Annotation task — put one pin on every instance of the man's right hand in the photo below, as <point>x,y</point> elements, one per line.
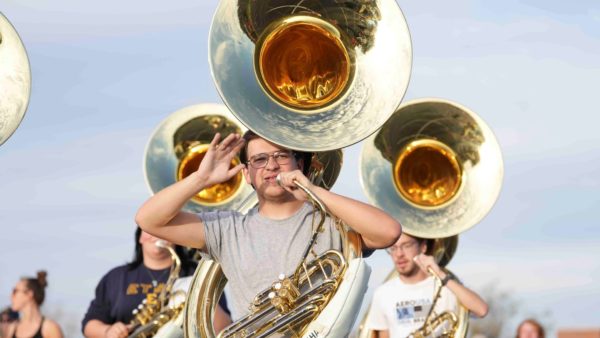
<point>117,330</point>
<point>215,166</point>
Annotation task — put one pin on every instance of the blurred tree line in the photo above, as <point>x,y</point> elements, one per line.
<point>505,314</point>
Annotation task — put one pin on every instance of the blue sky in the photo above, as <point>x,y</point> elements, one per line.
<point>106,73</point>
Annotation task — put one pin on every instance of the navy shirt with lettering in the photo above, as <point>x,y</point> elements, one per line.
<point>123,288</point>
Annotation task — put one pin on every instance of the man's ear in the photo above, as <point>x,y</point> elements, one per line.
<point>246,175</point>
<point>300,163</point>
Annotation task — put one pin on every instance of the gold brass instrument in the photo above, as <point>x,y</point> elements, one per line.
<point>294,71</point>
<point>15,79</point>
<point>446,324</point>
<point>436,167</point>
<point>177,147</point>
<point>150,316</point>
<point>292,305</point>
<point>443,249</point>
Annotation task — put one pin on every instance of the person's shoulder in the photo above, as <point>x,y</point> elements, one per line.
<point>116,272</point>
<point>50,328</point>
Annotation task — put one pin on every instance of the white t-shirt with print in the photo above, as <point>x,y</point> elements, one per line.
<point>402,308</point>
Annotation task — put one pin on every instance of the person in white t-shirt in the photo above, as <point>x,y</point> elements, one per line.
<point>400,306</point>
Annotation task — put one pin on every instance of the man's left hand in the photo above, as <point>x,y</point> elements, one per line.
<point>287,181</point>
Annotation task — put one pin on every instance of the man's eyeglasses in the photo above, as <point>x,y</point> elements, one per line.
<point>403,247</point>
<point>260,160</point>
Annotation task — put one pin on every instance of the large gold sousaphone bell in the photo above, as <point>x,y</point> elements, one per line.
<point>436,167</point>
<point>15,79</point>
<point>295,71</point>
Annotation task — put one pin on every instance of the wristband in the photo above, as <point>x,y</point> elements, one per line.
<point>448,277</point>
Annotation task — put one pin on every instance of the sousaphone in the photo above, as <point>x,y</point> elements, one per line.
<point>437,168</point>
<point>15,79</point>
<point>313,75</point>
<point>175,150</point>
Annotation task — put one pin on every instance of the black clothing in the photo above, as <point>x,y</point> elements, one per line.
<point>122,289</point>
<point>38,334</point>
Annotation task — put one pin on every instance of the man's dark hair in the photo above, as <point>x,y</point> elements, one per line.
<point>299,155</point>
<point>428,243</point>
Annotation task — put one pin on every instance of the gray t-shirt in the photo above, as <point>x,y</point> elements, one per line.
<point>254,250</point>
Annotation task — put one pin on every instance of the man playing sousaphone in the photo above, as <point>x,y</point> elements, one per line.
<point>401,305</point>
<point>254,249</point>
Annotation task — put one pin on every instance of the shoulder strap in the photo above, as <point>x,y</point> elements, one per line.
<point>38,334</point>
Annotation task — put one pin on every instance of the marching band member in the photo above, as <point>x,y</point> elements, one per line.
<point>27,297</point>
<point>123,288</point>
<point>254,249</point>
<point>400,306</point>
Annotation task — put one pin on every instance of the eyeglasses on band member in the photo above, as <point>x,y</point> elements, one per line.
<point>403,247</point>
<point>260,160</point>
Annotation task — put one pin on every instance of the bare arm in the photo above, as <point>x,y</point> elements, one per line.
<point>377,228</point>
<point>381,334</point>
<point>97,329</point>
<point>161,214</point>
<point>467,297</point>
<point>221,319</point>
